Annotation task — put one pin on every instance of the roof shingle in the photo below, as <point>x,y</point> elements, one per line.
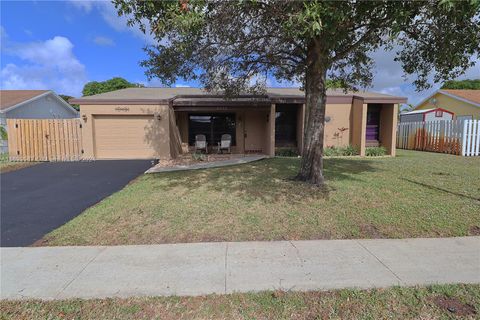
<point>470,95</point>
<point>10,98</point>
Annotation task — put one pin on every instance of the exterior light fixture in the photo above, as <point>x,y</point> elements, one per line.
<point>159,117</point>
<point>84,117</point>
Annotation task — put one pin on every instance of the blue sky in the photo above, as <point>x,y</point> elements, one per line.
<point>61,45</point>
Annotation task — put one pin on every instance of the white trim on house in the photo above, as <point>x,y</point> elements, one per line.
<point>448,95</point>
<point>63,102</point>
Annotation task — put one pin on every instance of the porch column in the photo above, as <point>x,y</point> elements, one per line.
<point>270,134</point>
<point>388,127</point>
<point>300,127</point>
<point>359,124</point>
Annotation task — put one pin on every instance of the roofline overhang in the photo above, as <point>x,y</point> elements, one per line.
<point>205,100</point>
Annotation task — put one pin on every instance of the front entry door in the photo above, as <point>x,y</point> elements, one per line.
<point>254,131</point>
<point>373,125</point>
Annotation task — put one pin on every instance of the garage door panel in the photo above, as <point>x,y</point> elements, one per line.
<point>123,137</point>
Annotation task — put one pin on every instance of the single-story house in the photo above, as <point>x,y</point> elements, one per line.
<point>465,104</point>
<point>139,123</point>
<point>435,114</point>
<point>32,104</point>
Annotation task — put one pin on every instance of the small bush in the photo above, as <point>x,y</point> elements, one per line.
<point>375,151</point>
<point>198,156</point>
<point>340,151</point>
<point>286,152</point>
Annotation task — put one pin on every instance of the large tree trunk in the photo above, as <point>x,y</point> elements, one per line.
<point>311,169</point>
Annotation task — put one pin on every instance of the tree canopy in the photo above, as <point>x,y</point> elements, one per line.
<point>237,45</point>
<point>468,84</point>
<point>67,99</point>
<point>117,83</point>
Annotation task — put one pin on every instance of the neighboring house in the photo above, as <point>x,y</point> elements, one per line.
<point>139,123</point>
<point>32,104</point>
<point>426,115</point>
<point>465,104</point>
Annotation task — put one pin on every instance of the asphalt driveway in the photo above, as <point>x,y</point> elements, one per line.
<point>39,199</point>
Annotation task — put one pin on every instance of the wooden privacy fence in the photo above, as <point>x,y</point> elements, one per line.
<point>44,139</point>
<point>460,137</point>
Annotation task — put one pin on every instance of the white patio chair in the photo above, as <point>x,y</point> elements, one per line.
<point>225,143</point>
<point>200,142</point>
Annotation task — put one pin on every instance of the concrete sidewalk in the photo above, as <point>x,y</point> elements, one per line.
<point>204,268</point>
<point>209,165</point>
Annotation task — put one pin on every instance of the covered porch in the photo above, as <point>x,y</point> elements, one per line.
<point>255,127</point>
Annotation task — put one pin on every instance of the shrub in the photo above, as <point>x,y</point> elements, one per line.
<point>375,151</point>
<point>198,156</point>
<point>340,151</point>
<point>286,152</point>
<point>350,151</point>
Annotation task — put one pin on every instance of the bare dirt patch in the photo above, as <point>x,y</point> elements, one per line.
<point>454,306</point>
<point>474,231</point>
<point>371,231</point>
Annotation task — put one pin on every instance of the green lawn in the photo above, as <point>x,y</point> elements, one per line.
<point>436,302</point>
<point>416,194</point>
<point>7,165</point>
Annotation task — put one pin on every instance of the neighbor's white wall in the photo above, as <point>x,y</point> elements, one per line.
<point>430,116</point>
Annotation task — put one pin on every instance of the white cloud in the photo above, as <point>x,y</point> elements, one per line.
<point>181,85</point>
<point>3,33</point>
<point>84,5</point>
<point>110,15</point>
<point>50,64</point>
<point>103,41</point>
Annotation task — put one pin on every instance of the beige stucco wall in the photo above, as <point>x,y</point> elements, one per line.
<point>358,125</point>
<point>255,129</point>
<point>157,134</point>
<point>340,117</point>
<point>459,108</point>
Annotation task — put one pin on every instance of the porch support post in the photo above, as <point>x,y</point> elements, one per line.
<point>388,127</point>
<point>270,147</point>
<point>359,124</point>
<point>300,127</point>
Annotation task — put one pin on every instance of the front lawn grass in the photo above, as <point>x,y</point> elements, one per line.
<point>6,165</point>
<point>435,302</point>
<point>416,194</point>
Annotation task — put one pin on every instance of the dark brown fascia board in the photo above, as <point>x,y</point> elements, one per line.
<point>207,103</point>
<point>218,108</point>
<point>385,100</point>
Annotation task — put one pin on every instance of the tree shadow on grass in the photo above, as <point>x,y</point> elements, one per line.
<point>269,180</point>
<point>428,186</point>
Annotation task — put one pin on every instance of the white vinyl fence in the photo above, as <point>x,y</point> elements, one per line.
<point>461,137</point>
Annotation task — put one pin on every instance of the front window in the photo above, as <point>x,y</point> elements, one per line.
<point>212,126</point>
<point>439,113</point>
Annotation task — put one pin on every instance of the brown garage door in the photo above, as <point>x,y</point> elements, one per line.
<point>123,137</point>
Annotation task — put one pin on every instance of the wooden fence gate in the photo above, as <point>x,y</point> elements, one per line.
<point>460,137</point>
<point>44,139</point>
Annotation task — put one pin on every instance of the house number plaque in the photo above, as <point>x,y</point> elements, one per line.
<point>122,108</point>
